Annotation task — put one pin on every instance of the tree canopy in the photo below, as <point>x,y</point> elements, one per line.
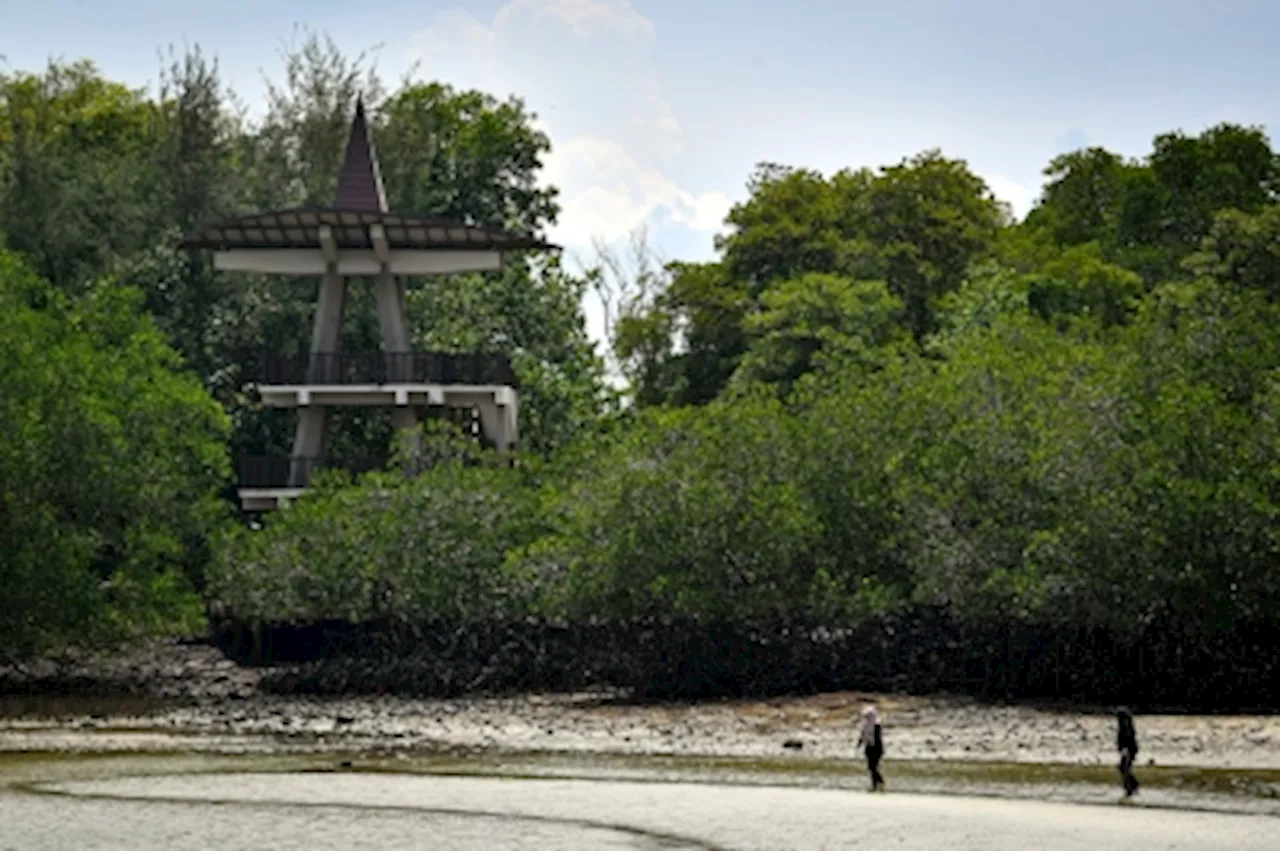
<point>100,180</point>
<point>110,469</point>
<point>884,397</point>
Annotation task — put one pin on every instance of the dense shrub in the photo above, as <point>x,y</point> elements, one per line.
<point>1047,510</point>
<point>110,467</point>
<point>431,547</point>
<point>697,514</point>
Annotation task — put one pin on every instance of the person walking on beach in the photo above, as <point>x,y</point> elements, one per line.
<point>1127,744</point>
<point>871,740</point>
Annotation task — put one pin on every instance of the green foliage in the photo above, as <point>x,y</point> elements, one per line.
<point>1225,167</point>
<point>98,182</point>
<point>432,547</point>
<point>1067,286</point>
<point>1079,282</point>
<point>1148,215</point>
<point>532,310</point>
<point>1108,478</point>
<point>698,514</point>
<point>464,156</point>
<point>883,398</point>
<point>916,226</point>
<point>929,218</point>
<point>1084,197</point>
<point>74,153</point>
<point>1075,475</point>
<point>794,222</point>
<point>643,344</point>
<point>709,307</point>
<point>1242,249</point>
<point>881,395</point>
<point>109,469</point>
<point>97,179</point>
<point>991,292</point>
<point>820,320</point>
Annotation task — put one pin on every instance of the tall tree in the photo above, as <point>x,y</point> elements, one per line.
<point>926,220</point>
<point>75,154</point>
<point>195,178</point>
<point>1149,215</point>
<point>916,226</point>
<point>464,155</point>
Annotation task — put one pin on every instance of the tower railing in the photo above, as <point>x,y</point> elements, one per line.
<point>283,471</point>
<point>345,368</point>
<point>273,472</point>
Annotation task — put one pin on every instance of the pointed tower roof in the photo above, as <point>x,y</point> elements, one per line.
<point>360,182</point>
<point>361,204</point>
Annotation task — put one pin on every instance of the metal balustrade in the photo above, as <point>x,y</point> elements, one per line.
<point>278,471</point>
<point>348,368</point>
<point>275,472</point>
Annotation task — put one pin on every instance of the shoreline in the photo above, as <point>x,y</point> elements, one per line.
<point>189,693</point>
<point>667,801</point>
<point>1218,791</point>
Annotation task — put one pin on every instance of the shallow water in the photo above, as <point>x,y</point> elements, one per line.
<point>54,824</point>
<point>198,802</point>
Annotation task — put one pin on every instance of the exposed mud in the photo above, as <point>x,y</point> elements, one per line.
<point>178,696</point>
<point>188,697</point>
<point>820,727</point>
<point>163,673</point>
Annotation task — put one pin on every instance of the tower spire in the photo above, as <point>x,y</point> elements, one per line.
<point>360,182</point>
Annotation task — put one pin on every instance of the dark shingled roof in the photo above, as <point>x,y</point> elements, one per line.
<point>360,182</point>
<point>361,202</point>
<point>300,228</point>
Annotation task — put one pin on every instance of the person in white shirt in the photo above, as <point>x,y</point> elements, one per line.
<point>870,739</point>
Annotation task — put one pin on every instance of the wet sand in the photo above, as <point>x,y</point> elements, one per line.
<point>322,811</point>
<point>199,756</point>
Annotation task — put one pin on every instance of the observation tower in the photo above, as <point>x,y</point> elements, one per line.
<point>359,238</point>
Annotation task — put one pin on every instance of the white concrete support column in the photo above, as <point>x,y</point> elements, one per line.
<point>326,332</point>
<point>497,423</point>
<point>389,294</point>
<point>511,410</point>
<point>393,319</point>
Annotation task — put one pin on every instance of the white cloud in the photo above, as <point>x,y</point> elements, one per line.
<point>580,62</point>
<point>710,210</point>
<point>582,16</point>
<point>660,113</point>
<point>1018,197</point>
<point>585,67</point>
<point>607,194</point>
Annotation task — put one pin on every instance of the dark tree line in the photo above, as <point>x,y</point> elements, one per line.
<point>886,410</point>
<point>888,423</point>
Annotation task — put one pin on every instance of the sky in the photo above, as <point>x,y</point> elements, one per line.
<point>659,109</point>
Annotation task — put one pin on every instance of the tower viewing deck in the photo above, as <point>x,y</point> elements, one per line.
<point>359,237</point>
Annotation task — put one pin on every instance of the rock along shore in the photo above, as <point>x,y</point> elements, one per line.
<point>188,696</point>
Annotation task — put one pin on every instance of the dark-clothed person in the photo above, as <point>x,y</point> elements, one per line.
<point>1127,744</point>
